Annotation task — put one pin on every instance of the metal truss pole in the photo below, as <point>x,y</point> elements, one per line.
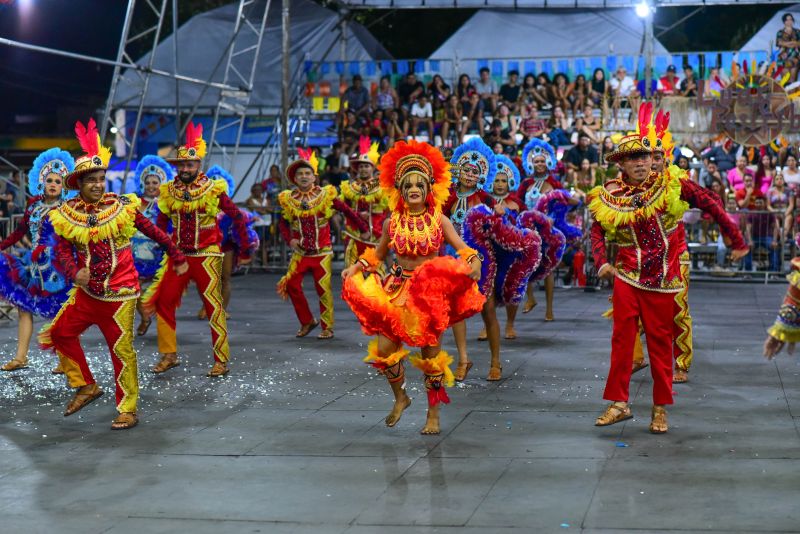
<point>126,26</point>
<point>237,101</point>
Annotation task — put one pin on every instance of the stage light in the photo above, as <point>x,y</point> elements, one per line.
<point>643,9</point>
<point>114,129</point>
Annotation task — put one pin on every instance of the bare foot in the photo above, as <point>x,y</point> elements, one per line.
<point>399,407</point>
<point>548,316</point>
<point>510,332</point>
<point>432,424</point>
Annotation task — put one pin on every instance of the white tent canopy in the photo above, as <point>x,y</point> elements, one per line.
<point>203,39</point>
<point>524,4</point>
<point>764,39</point>
<point>535,33</point>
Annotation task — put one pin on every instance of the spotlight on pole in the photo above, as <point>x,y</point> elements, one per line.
<point>114,130</point>
<point>643,9</point>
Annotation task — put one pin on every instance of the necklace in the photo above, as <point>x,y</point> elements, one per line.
<point>460,209</point>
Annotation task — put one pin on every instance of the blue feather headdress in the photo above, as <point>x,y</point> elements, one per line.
<point>216,172</point>
<point>477,153</point>
<point>152,166</point>
<point>53,160</point>
<point>504,166</point>
<point>537,147</point>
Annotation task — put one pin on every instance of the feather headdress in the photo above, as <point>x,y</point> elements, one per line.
<point>507,167</point>
<point>411,156</point>
<point>195,147</point>
<point>475,152</point>
<point>217,172</point>
<point>307,158</point>
<point>51,161</point>
<point>534,148</point>
<point>367,153</point>
<point>95,157</point>
<point>152,166</point>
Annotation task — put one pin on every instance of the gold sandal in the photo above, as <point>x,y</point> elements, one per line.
<point>658,423</point>
<point>14,365</point>
<point>124,421</point>
<point>614,414</point>
<point>462,370</point>
<point>218,369</point>
<point>679,376</point>
<point>326,334</point>
<point>307,328</point>
<point>80,400</point>
<point>168,361</point>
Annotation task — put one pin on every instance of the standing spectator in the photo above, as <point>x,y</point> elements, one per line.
<point>529,93</point>
<point>531,125</point>
<point>487,90</point>
<point>580,93</point>
<point>736,176</point>
<point>439,92</point>
<point>688,84</point>
<point>725,155</point>
<point>356,98</point>
<point>765,173</point>
<point>422,112</point>
<point>670,82</point>
<point>336,165</point>
<point>623,91</point>
<point>711,172</point>
<point>453,121</point>
<point>272,186</point>
<point>778,194</point>
<point>598,89</point>
<point>788,42</point>
<point>409,91</point>
<point>510,92</point>
<point>717,188</point>
<point>386,97</point>
<point>259,205</point>
<point>582,151</point>
<point>714,84</point>
<point>791,174</point>
<point>561,91</point>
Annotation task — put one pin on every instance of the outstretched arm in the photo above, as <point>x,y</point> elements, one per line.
<point>350,215</point>
<point>18,233</point>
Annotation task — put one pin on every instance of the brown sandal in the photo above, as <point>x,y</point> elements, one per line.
<point>80,400</point>
<point>218,369</point>
<point>167,362</point>
<point>307,328</point>
<point>57,370</point>
<point>144,326</point>
<point>529,305</point>
<point>201,314</point>
<point>658,423</point>
<point>679,376</point>
<point>124,421</point>
<point>638,366</point>
<point>14,365</point>
<point>462,370</point>
<point>614,414</point>
<point>326,334</point>
<point>495,374</point>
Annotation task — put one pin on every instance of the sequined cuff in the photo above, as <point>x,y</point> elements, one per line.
<point>468,254</point>
<point>787,324</point>
<point>369,260</point>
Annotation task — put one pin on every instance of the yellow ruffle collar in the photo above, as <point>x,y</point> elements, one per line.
<point>294,208</point>
<point>115,219</point>
<point>174,198</point>
<point>375,196</point>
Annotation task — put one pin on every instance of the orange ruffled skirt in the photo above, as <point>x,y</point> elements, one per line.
<point>416,307</point>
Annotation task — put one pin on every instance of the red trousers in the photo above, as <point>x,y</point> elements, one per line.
<point>115,320</point>
<point>165,296</point>
<point>320,269</point>
<point>657,313</point>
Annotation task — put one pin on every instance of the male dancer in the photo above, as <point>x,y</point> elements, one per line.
<point>640,211</point>
<point>305,226</point>
<point>94,250</point>
<point>191,202</point>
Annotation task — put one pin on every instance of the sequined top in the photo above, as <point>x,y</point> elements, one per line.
<point>644,221</point>
<point>306,217</point>
<point>97,237</point>
<point>368,199</point>
<point>192,209</point>
<point>416,234</point>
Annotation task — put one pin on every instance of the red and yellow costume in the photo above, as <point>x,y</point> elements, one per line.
<point>97,237</point>
<point>306,219</point>
<point>414,306</point>
<point>192,209</point>
<point>366,198</point>
<point>643,221</point>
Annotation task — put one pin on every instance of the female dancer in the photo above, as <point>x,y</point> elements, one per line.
<point>151,172</point>
<point>424,293</point>
<point>32,282</point>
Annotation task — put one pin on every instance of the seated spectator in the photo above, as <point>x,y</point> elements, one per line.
<point>588,117</point>
<point>579,126</point>
<point>606,147</point>
<point>598,89</point>
<point>747,195</point>
<point>487,90</point>
<point>439,92</point>
<point>788,42</point>
<point>386,97</point>
<point>507,120</point>
<point>377,126</point>
<point>396,128</point>
<point>497,135</point>
<point>530,94</point>
<point>582,151</point>
<point>736,176</point>
<point>473,111</point>
<point>623,91</point>
<point>422,112</point>
<point>778,194</point>
<point>337,165</point>
<point>409,90</point>
<point>558,127</point>
<point>356,98</point>
<point>790,173</point>
<point>584,174</point>
<point>688,84</point>
<point>349,129</point>
<point>725,154</point>
<point>464,89</point>
<point>765,173</point>
<point>655,86</point>
<point>543,88</point>
<point>714,84</point>
<point>531,125</point>
<point>452,123</point>
<point>711,172</point>
<point>670,82</point>
<point>580,94</point>
<point>510,92</point>
<point>561,91</point>
<point>498,148</point>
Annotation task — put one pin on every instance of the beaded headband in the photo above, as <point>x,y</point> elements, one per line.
<point>412,163</point>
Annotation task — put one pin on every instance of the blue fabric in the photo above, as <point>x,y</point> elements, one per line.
<point>497,68</point>
<point>627,62</point>
<point>530,67</point>
<point>711,60</point>
<point>611,63</point>
<point>481,64</point>
<point>694,61</point>
<point>434,65</point>
<point>513,65</point>
<point>580,67</point>
<point>354,68</point>
<point>324,67</point>
<point>677,60</point>
<point>339,66</point>
<point>371,68</point>
<point>386,67</point>
<point>402,67</point>
<point>547,67</point>
<point>661,65</point>
<point>563,66</point>
<point>596,63</point>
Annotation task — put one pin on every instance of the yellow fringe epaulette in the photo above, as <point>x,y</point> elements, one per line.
<point>322,205</point>
<point>113,221</point>
<point>171,199</point>
<point>377,198</point>
<point>615,211</point>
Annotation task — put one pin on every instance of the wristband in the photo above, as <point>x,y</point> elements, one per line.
<point>369,260</point>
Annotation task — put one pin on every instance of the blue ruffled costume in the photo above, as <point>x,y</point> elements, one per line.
<point>147,255</point>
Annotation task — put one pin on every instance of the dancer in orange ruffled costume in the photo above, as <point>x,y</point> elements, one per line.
<point>424,293</point>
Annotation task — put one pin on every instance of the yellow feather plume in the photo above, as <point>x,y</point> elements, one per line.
<point>103,152</point>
